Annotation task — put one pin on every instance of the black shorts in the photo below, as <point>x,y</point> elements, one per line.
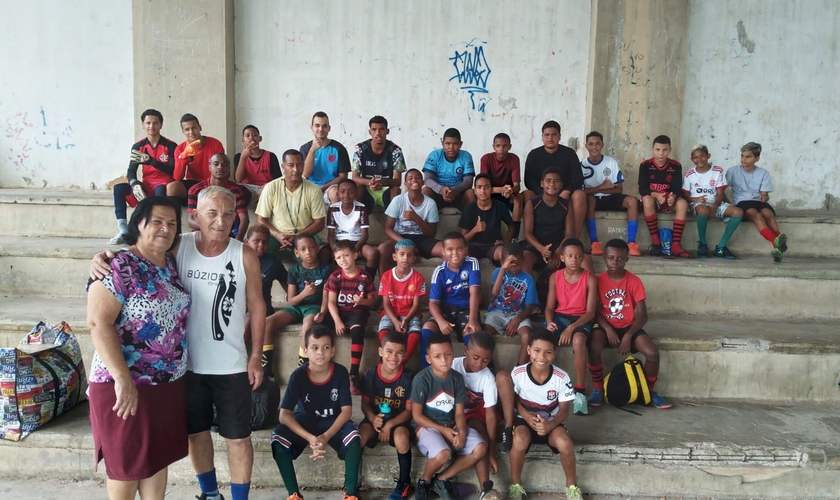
<point>536,438</point>
<point>610,203</point>
<point>757,205</point>
<point>284,436</point>
<point>564,320</point>
<point>484,251</point>
<point>353,318</point>
<point>459,317</point>
<point>231,395</point>
<point>424,244</point>
<point>540,264</point>
<point>505,201</point>
<point>372,442</point>
<point>621,332</point>
<point>458,202</point>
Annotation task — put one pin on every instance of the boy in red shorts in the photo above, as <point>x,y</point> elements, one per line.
<point>660,186</point>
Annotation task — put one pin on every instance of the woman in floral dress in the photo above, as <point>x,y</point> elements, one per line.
<point>138,317</point>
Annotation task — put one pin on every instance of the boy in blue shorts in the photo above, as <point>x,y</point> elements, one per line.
<point>437,400</point>
<point>449,172</point>
<point>455,294</point>
<point>315,412</point>
<point>751,188</point>
<point>570,310</point>
<point>306,298</point>
<point>514,299</point>
<point>386,388</point>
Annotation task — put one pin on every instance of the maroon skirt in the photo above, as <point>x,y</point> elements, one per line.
<point>142,445</point>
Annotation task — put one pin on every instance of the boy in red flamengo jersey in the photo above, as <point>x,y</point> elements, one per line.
<point>401,289</point>
<point>660,186</point>
<point>621,315</point>
<point>570,309</point>
<point>192,157</point>
<point>351,295</point>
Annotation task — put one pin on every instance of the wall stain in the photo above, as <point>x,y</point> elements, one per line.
<point>742,37</point>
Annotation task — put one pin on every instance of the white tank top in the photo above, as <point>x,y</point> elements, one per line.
<point>216,327</point>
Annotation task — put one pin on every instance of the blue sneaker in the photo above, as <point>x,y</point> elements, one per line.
<point>724,253</point>
<point>596,399</point>
<point>702,250</point>
<point>659,402</point>
<point>402,490</point>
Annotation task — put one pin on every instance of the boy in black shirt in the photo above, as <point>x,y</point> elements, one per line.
<point>481,222</point>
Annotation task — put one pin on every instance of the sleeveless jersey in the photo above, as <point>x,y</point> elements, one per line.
<point>258,171</point>
<point>216,328</point>
<point>550,222</point>
<point>571,297</point>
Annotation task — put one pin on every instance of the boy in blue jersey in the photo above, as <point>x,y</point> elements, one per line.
<point>386,388</point>
<point>449,172</point>
<point>315,412</point>
<point>437,400</point>
<point>455,294</point>
<point>325,161</point>
<point>514,299</point>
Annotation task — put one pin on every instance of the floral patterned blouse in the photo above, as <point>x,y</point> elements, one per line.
<point>152,324</point>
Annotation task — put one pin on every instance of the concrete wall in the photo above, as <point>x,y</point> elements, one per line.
<point>66,94</point>
<point>767,72</point>
<point>525,62</point>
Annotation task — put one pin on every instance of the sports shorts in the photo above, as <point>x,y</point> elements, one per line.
<point>505,201</point>
<point>721,209</point>
<point>456,315</point>
<point>536,438</point>
<point>424,244</point>
<point>414,324</point>
<point>230,394</point>
<point>564,320</point>
<point>484,251</point>
<point>431,442</point>
<point>755,204</point>
<point>354,318</point>
<point>381,197</point>
<point>374,440</point>
<point>610,203</point>
<point>317,426</point>
<point>499,320</point>
<point>457,202</point>
<point>621,332</point>
<point>300,312</point>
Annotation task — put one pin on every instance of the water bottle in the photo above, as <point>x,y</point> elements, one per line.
<point>666,235</point>
<point>385,410</point>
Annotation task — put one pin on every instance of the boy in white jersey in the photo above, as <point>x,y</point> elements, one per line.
<point>347,219</point>
<point>603,184</point>
<point>703,189</point>
<point>543,393</point>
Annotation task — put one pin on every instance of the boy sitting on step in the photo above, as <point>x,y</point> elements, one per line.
<point>315,412</point>
<point>621,315</point>
<point>386,388</point>
<point>660,186</point>
<point>401,289</point>
<point>570,309</point>
<point>347,219</point>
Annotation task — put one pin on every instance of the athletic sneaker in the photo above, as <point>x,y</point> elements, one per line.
<point>350,497</point>
<point>573,493</point>
<point>596,248</point>
<point>596,399</point>
<point>516,492</point>
<point>781,242</point>
<point>777,255</point>
<point>119,239</point>
<point>486,488</point>
<point>655,250</point>
<point>659,402</point>
<point>422,491</point>
<point>580,406</point>
<point>402,490</point>
<point>443,487</point>
<point>634,250</point>
<point>203,496</point>
<point>702,250</point>
<point>354,385</point>
<point>295,496</point>
<point>507,439</point>
<point>724,253</point>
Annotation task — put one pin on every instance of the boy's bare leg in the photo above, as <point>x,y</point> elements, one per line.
<point>756,218</point>
<point>645,345</point>
<point>521,441</point>
<point>560,439</point>
<point>770,219</point>
<point>463,462</point>
<point>580,355</point>
<point>434,464</point>
<point>504,385</point>
<point>482,467</point>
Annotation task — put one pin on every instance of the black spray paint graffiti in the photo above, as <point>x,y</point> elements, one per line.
<point>472,72</point>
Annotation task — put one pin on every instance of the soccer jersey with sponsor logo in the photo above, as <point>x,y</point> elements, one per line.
<point>748,186</point>
<point>401,291</point>
<point>618,299</point>
<point>197,166</point>
<point>545,397</point>
<point>367,164</point>
<point>396,392</point>
<point>594,174</point>
<point>238,191</point>
<point>348,286</point>
<point>427,211</point>
<point>697,184</point>
<point>438,395</point>
<point>347,226</point>
<point>300,276</point>
<point>160,167</point>
<point>330,161</point>
<point>449,173</point>
<point>453,287</point>
<point>518,291</point>
<point>481,386</point>
<point>259,171</point>
<point>322,400</point>
<point>664,179</point>
<point>502,173</point>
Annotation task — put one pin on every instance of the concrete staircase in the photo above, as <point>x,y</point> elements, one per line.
<point>748,348</point>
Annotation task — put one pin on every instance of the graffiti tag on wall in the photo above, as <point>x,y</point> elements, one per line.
<point>472,72</point>
<point>27,133</point>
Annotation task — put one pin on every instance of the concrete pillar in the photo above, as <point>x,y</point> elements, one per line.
<point>183,63</point>
<point>638,57</point>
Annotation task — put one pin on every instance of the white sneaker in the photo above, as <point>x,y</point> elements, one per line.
<point>119,239</point>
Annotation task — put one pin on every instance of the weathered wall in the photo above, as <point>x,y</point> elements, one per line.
<point>522,62</point>
<point>66,107</point>
<point>767,72</point>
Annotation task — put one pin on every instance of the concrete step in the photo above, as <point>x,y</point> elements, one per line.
<point>753,286</point>
<point>90,214</point>
<point>701,357</point>
<point>700,448</point>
